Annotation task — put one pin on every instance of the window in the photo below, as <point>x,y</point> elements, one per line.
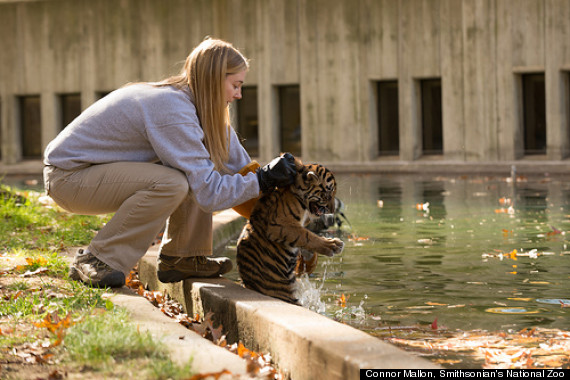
<point>248,120</point>
<point>432,135</point>
<point>30,126</point>
<point>534,114</point>
<point>290,119</point>
<point>388,118</point>
<point>70,106</point>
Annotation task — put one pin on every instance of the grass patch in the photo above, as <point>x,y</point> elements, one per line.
<point>36,302</point>
<point>27,224</point>
<point>54,264</point>
<point>105,340</point>
<point>48,319</point>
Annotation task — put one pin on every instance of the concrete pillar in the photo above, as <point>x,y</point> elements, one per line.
<point>509,122</point>
<point>11,149</point>
<point>557,78</point>
<point>452,80</point>
<point>480,80</point>
<point>378,60</point>
<point>276,63</point>
<point>419,58</point>
<point>51,117</point>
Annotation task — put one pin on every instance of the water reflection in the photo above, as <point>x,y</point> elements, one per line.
<point>409,264</point>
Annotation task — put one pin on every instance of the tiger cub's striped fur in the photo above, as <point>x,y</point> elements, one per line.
<point>271,241</point>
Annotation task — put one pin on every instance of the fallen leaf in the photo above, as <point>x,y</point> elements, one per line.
<point>341,301</point>
<point>35,272</point>
<point>353,237</point>
<point>215,375</point>
<point>422,206</point>
<point>434,324</point>
<point>505,201</point>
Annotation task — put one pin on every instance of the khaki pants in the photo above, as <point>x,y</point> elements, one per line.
<point>144,197</point>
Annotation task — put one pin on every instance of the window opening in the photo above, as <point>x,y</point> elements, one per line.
<point>388,118</point>
<point>290,119</point>
<point>432,133</point>
<point>534,114</point>
<point>248,120</point>
<point>70,108</point>
<point>30,126</point>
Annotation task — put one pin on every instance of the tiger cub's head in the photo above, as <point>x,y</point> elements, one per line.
<point>316,186</point>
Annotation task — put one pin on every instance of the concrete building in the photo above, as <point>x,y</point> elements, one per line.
<point>368,83</point>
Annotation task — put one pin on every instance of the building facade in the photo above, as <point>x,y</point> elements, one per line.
<point>339,81</point>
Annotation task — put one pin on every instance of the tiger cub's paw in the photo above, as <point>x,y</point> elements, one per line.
<point>332,247</point>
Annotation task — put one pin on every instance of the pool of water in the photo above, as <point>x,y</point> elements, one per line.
<point>472,252</point>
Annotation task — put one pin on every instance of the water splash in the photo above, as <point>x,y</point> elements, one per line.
<point>351,314</point>
<point>309,294</point>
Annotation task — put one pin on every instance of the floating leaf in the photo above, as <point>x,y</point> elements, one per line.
<point>436,304</point>
<point>434,324</point>
<point>341,301</point>
<point>422,206</point>
<point>554,301</point>
<point>504,201</point>
<point>555,231</point>
<point>511,310</point>
<point>353,237</point>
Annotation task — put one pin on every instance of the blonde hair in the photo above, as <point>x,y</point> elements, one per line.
<point>204,73</point>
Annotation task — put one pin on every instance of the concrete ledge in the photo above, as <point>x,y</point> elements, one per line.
<point>303,344</point>
<point>183,344</point>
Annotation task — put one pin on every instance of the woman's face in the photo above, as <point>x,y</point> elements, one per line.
<point>233,86</point>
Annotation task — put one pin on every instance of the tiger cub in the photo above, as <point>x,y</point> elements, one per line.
<point>270,244</point>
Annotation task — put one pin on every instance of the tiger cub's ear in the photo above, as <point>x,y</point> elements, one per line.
<point>310,177</point>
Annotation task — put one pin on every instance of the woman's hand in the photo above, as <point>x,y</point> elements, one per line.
<point>280,172</point>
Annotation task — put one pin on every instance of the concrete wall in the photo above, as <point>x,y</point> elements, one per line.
<point>334,49</point>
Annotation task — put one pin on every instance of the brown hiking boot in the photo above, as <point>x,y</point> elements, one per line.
<point>173,269</point>
<point>92,271</point>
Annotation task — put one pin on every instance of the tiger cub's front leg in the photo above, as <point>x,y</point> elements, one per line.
<point>288,229</point>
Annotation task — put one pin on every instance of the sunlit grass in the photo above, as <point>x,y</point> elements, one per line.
<point>54,264</point>
<point>33,303</point>
<point>36,289</point>
<point>102,341</point>
<point>27,224</point>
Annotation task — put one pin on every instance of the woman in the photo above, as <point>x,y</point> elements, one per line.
<point>155,153</point>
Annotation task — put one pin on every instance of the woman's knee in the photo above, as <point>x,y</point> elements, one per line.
<point>176,184</point>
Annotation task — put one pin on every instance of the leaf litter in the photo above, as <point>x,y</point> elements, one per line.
<point>527,348</point>
<point>258,365</point>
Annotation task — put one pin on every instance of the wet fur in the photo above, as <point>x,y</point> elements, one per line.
<point>270,244</point>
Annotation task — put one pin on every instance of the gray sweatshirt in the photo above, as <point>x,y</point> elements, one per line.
<point>145,123</point>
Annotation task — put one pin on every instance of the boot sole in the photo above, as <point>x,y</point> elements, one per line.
<point>175,276</point>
